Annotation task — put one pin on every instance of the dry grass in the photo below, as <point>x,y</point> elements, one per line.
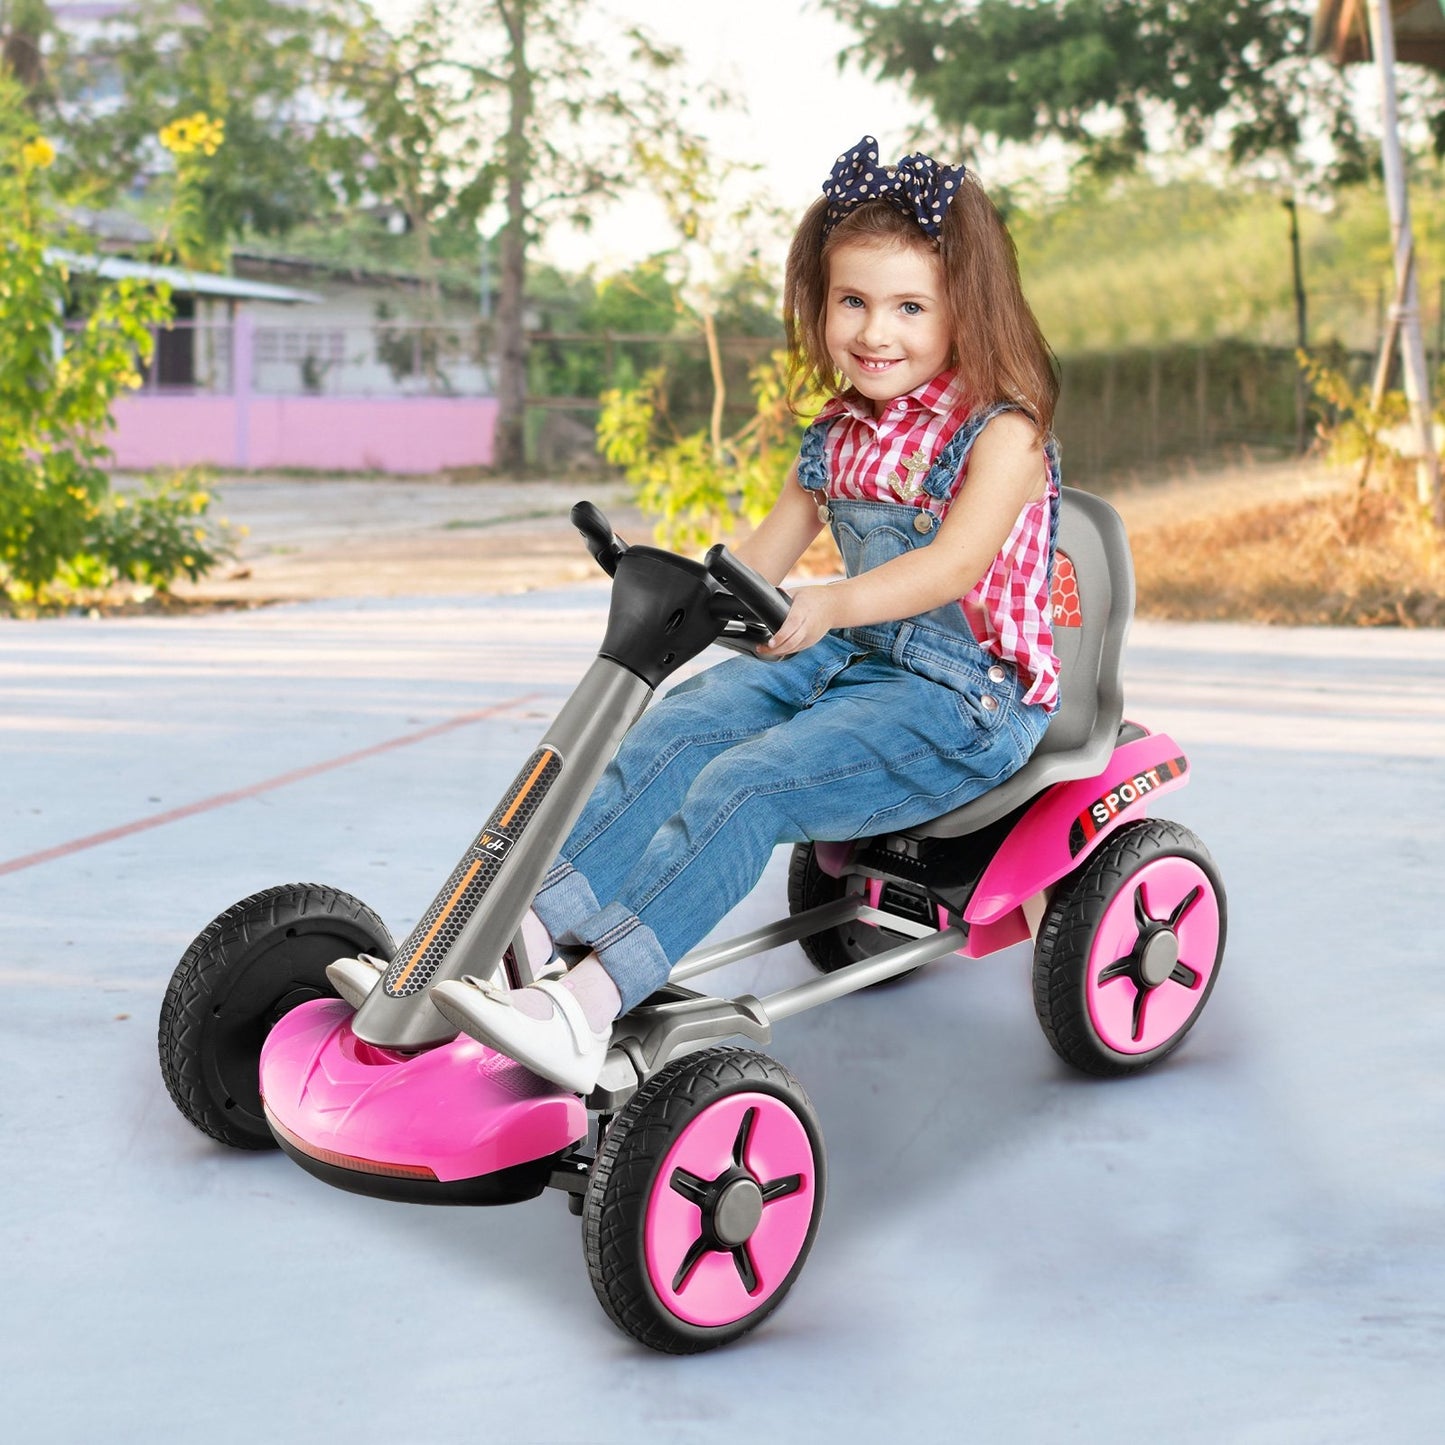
<point>1290,543</point>
<point>1346,559</point>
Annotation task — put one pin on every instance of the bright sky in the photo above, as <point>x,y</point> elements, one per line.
<point>779,56</point>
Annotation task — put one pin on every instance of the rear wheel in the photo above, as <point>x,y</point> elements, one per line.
<point>1129,949</point>
<point>834,948</point>
<point>703,1200</point>
<point>246,968</point>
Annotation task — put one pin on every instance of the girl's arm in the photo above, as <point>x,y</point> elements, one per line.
<point>783,535</point>
<point>1006,472</point>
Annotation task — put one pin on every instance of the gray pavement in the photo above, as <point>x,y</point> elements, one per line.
<point>1245,1244</point>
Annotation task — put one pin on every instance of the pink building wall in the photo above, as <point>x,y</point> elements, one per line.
<point>249,430</point>
<point>322,433</point>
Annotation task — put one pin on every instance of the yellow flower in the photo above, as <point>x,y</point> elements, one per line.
<point>192,133</point>
<point>38,153</point>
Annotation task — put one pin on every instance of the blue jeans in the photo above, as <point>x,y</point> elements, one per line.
<point>834,743</point>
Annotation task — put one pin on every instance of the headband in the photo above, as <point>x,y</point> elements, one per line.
<point>918,186</point>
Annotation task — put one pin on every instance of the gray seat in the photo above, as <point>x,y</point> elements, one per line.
<point>1089,640</point>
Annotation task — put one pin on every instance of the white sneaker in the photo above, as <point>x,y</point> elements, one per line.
<point>562,1047</point>
<point>354,978</point>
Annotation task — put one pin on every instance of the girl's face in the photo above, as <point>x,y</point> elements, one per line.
<point>885,323</point>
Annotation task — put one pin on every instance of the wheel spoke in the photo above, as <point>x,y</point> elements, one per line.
<point>1141,913</point>
<point>1140,999</point>
<point>1184,974</point>
<point>695,1252</point>
<point>745,1134</point>
<point>1185,904</point>
<point>692,1189</point>
<point>1120,968</point>
<point>744,1262</point>
<point>781,1188</point>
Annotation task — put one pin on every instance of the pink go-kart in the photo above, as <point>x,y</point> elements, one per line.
<point>697,1166</point>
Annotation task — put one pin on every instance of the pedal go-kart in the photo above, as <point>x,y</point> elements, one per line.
<point>698,1166</point>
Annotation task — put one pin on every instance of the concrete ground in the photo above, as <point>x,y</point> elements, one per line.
<point>1244,1244</point>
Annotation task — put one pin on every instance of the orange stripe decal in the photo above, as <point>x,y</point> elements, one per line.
<point>435,928</point>
<point>526,788</point>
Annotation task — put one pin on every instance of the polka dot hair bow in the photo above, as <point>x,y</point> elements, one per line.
<point>918,186</point>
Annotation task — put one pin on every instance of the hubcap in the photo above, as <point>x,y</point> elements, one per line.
<point>737,1213</point>
<point>1165,958</point>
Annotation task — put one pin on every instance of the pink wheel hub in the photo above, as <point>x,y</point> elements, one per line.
<point>1152,957</point>
<point>731,1210</point>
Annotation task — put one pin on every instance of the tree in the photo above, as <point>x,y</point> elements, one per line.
<point>258,66</point>
<point>562,130</point>
<point>1106,75</point>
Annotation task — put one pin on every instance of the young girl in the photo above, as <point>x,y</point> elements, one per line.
<point>920,681</point>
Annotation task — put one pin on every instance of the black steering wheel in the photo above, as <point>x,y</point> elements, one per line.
<point>745,604</point>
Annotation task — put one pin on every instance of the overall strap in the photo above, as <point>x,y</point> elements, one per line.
<point>942,478</point>
<point>812,460</point>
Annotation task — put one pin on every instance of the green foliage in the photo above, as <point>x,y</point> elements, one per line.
<point>60,531</point>
<point>158,534</point>
<point>696,491</point>
<point>1132,263</point>
<point>258,65</point>
<point>1355,430</point>
<point>1097,73</point>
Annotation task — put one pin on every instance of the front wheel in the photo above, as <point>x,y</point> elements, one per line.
<point>704,1200</point>
<point>245,969</point>
<point>1129,949</point>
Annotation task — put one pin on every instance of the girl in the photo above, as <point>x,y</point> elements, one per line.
<point>920,681</point>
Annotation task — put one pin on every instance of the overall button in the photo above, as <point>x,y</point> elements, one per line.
<point>989,702</point>
<point>923,523</point>
<point>997,674</point>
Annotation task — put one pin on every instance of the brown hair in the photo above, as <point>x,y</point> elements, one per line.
<point>1000,352</point>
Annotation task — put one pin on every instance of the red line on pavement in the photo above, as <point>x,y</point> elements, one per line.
<point>221,800</point>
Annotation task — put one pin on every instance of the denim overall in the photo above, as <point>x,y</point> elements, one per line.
<point>871,730</point>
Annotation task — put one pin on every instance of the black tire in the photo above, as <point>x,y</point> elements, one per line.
<point>246,968</point>
<point>1139,953</point>
<point>627,1199</point>
<point>834,948</point>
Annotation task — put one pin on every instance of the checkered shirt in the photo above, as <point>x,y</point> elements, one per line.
<point>1008,609</point>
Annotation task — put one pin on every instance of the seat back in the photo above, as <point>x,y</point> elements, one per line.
<point>1092,605</point>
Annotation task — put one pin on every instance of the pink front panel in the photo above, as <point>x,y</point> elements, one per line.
<point>461,1110</point>
<point>1065,825</point>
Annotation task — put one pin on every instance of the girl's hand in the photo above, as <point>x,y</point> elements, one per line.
<point>813,613</point>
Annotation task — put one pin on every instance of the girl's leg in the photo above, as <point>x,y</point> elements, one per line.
<point>883,750</point>
<point>658,762</point>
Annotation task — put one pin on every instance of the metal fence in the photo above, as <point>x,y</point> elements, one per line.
<point>1119,411</point>
<point>394,358</point>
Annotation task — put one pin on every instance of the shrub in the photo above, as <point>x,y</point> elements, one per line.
<point>61,531</point>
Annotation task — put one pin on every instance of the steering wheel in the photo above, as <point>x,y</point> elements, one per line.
<point>747,607</point>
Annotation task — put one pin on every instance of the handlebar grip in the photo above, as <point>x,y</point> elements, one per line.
<point>769,604</point>
<point>604,545</point>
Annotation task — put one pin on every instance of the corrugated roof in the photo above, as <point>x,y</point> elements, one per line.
<point>197,283</point>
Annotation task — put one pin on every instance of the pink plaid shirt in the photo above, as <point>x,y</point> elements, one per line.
<point>1009,608</point>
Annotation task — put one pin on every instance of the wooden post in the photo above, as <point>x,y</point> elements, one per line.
<point>1302,333</point>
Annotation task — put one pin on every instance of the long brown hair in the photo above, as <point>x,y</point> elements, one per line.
<point>1000,352</point>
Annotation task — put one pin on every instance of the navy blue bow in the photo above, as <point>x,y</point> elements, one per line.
<point>918,186</point>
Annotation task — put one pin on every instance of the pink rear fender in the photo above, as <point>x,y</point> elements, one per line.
<point>459,1110</point>
<point>1069,821</point>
